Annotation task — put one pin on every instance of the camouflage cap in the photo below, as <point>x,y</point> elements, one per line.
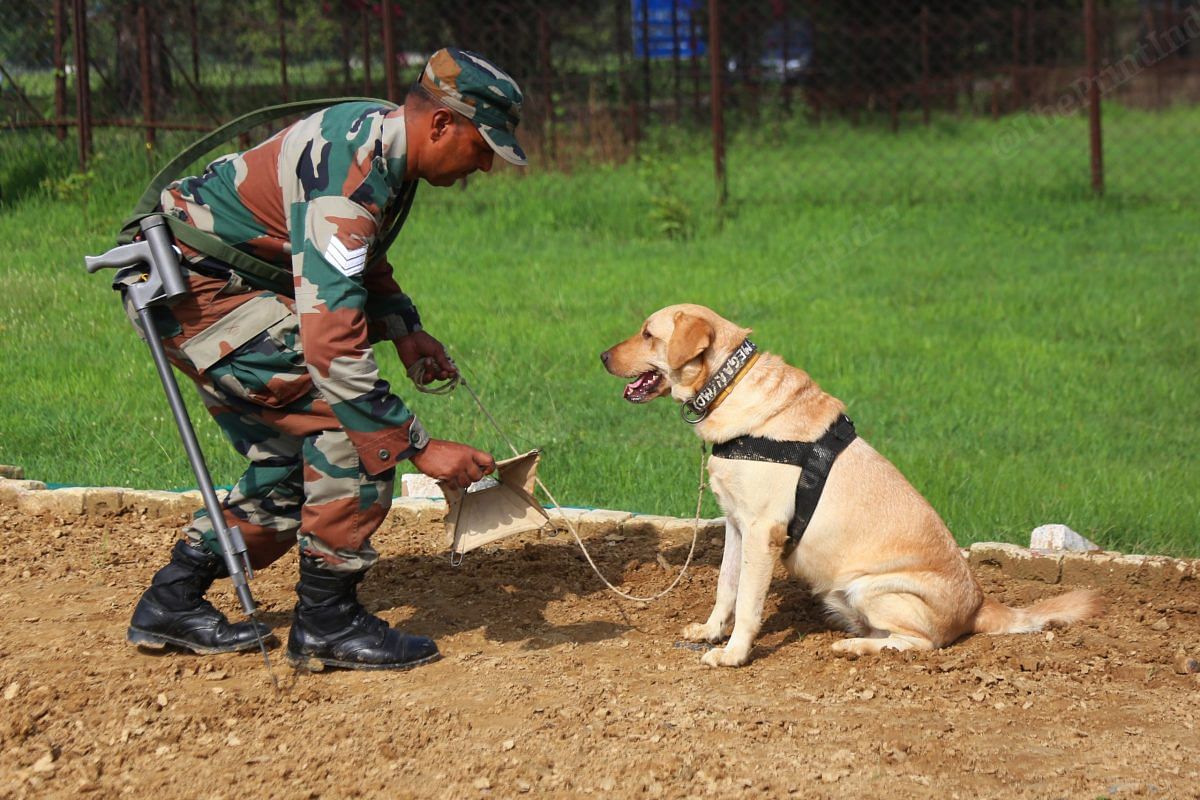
<point>483,93</point>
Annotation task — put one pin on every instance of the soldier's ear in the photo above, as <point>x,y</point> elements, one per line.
<point>440,122</point>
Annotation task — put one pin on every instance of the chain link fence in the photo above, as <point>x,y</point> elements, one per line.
<point>937,98</point>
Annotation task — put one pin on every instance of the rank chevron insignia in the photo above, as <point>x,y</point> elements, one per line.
<point>350,262</point>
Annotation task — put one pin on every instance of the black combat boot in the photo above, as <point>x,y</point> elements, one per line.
<point>173,610</point>
<point>331,628</point>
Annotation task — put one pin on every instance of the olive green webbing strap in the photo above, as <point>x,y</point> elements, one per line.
<point>252,268</point>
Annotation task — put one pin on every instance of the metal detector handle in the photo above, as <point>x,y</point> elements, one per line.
<point>164,255</point>
<point>156,252</point>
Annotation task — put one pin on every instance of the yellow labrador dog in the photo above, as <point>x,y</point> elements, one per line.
<point>874,551</point>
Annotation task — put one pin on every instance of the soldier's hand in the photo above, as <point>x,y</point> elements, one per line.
<point>415,346</point>
<point>457,465</point>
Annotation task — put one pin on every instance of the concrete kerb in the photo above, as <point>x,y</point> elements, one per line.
<point>1105,568</point>
<point>1098,569</point>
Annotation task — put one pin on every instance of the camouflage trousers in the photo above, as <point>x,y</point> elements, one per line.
<point>305,482</point>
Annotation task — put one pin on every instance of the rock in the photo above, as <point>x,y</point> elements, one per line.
<point>11,690</point>
<point>44,764</point>
<point>12,472</point>
<point>595,522</point>
<point>1059,537</point>
<point>1028,663</point>
<point>10,490</point>
<point>834,775</point>
<point>157,504</point>
<point>1185,665</point>
<point>410,512</point>
<point>681,530</point>
<point>1019,562</point>
<point>645,526</point>
<point>59,502</point>
<point>417,485</point>
<point>103,500</point>
<point>508,744</point>
<point>482,783</point>
<point>1161,625</point>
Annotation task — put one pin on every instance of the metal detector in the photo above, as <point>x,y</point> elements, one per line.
<point>150,276</point>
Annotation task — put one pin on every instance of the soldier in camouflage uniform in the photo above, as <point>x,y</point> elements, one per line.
<point>292,379</point>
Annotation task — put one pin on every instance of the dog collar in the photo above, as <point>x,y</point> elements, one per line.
<point>717,388</point>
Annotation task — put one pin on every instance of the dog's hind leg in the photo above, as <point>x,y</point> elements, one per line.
<point>719,621</point>
<point>896,614</point>
<point>871,646</point>
<point>753,581</point>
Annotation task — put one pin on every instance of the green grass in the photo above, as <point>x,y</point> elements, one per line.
<point>1024,353</point>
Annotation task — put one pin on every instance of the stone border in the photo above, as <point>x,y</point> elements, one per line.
<point>1103,568</point>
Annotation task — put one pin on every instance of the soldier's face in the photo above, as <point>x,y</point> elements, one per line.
<point>455,150</point>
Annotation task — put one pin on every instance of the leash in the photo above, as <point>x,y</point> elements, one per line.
<point>417,373</point>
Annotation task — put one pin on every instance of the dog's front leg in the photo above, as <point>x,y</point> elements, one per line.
<point>717,626</point>
<point>753,581</point>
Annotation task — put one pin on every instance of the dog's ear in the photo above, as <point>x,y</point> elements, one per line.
<point>691,337</point>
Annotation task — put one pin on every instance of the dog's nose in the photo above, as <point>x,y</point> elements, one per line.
<point>605,356</point>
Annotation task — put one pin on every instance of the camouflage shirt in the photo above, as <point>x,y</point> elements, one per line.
<point>316,198</point>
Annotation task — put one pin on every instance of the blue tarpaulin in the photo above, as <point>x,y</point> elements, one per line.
<point>667,31</point>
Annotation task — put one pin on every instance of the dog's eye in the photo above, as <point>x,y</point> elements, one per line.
<point>645,334</point>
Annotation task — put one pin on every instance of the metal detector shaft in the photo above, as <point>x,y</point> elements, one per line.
<point>229,548</point>
<point>161,282</point>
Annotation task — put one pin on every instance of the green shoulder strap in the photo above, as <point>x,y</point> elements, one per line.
<point>253,269</point>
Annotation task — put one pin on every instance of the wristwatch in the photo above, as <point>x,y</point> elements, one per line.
<point>417,435</point>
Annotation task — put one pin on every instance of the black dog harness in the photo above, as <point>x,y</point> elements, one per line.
<point>815,460</point>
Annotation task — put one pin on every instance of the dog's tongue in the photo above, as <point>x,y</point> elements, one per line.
<point>639,386</point>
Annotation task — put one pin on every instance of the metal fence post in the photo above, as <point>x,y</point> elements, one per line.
<point>366,44</point>
<point>785,91</point>
<point>645,6</point>
<point>546,70</point>
<point>389,51</point>
<point>1018,79</point>
<point>145,62</point>
<point>83,93</point>
<point>925,63</point>
<point>1093,80</point>
<point>60,68</point>
<point>716,68</point>
<point>283,52</point>
<point>193,34</point>
<point>625,50</point>
<point>675,59</point>
<point>694,45</point>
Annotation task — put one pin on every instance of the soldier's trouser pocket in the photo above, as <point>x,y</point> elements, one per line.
<point>253,353</point>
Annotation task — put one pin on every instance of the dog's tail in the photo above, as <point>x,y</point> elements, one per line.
<point>994,617</point>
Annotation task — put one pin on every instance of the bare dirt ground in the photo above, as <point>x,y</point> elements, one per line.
<point>551,686</point>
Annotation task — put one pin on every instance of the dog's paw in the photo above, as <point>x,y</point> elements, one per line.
<point>701,632</point>
<point>843,650</point>
<point>722,657</point>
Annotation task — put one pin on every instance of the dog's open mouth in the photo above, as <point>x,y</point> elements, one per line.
<point>644,387</point>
